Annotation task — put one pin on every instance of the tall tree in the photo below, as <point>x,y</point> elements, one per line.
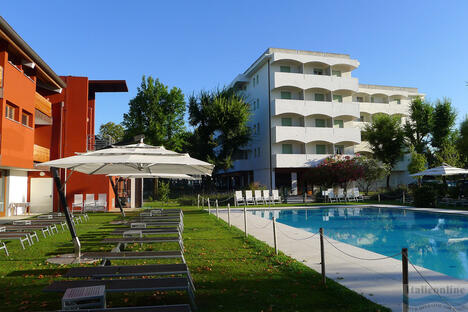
<point>158,113</point>
<point>462,143</point>
<point>386,139</point>
<point>220,119</point>
<point>373,171</point>
<point>418,127</point>
<point>443,122</point>
<point>112,130</point>
<point>448,153</point>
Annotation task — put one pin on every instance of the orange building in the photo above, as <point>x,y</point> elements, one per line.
<point>44,117</point>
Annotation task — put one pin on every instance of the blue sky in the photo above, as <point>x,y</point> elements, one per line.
<point>198,45</point>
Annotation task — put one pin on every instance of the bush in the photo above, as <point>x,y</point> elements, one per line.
<point>425,196</point>
<point>164,191</point>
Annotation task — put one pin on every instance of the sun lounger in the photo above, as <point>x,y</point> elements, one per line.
<point>107,256</point>
<point>21,236</point>
<point>162,308</point>
<point>77,204</point>
<point>275,198</point>
<point>29,228</point>
<point>130,270</point>
<point>259,200</point>
<point>249,198</point>
<point>157,224</point>
<point>129,285</point>
<point>155,231</point>
<point>4,247</point>
<point>143,240</point>
<point>238,198</point>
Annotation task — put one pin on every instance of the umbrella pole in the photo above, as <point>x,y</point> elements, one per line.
<point>63,201</point>
<point>117,199</point>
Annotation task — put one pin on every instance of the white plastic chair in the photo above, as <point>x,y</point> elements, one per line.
<point>248,198</point>
<point>275,198</point>
<point>77,202</point>
<point>332,197</point>
<point>101,203</point>
<point>341,196</point>
<point>258,197</point>
<point>238,198</point>
<point>89,203</point>
<point>357,195</point>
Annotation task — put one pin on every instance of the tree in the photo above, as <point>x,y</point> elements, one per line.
<point>386,139</point>
<point>443,121</point>
<point>158,113</point>
<point>373,171</point>
<point>418,162</point>
<point>448,152</point>
<point>335,170</point>
<point>419,126</point>
<point>462,143</point>
<point>221,130</point>
<point>112,130</point>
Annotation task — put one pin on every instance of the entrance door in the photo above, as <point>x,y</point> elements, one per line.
<point>41,195</point>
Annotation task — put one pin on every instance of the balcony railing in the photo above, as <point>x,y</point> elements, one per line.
<point>308,81</point>
<point>43,104</point>
<point>96,142</point>
<point>307,108</point>
<point>311,134</point>
<point>299,160</point>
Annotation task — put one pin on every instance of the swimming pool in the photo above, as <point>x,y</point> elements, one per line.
<point>435,241</point>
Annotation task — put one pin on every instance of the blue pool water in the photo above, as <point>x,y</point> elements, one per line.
<point>435,241</point>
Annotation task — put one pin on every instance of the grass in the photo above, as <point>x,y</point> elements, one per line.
<point>231,273</point>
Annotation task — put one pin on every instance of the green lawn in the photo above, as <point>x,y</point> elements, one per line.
<point>231,273</point>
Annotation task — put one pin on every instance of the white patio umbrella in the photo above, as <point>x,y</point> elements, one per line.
<point>444,170</point>
<point>133,159</point>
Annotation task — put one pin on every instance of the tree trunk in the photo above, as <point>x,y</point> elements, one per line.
<point>156,188</point>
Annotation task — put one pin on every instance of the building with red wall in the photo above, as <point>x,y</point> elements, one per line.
<point>43,117</point>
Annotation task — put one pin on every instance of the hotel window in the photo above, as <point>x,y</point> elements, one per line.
<point>258,128</point>
<point>338,98</point>
<point>258,151</point>
<point>26,119</point>
<point>320,123</point>
<point>286,122</point>
<point>285,69</point>
<point>372,99</point>
<point>257,79</point>
<point>359,99</point>
<point>285,95</point>
<point>320,149</point>
<point>11,111</point>
<point>398,101</point>
<point>258,103</point>
<point>319,97</point>
<point>254,129</point>
<point>286,148</point>
<point>255,153</point>
<point>339,149</point>
<point>338,123</point>
<point>336,73</point>
<point>362,118</point>
<point>318,71</point>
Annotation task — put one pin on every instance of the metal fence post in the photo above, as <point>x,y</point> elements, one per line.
<point>378,197</point>
<point>403,199</point>
<point>274,236</point>
<point>217,214</point>
<point>209,206</point>
<point>245,220</point>
<point>404,262</point>
<point>322,257</point>
<point>229,214</point>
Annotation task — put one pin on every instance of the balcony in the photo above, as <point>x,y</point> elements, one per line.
<point>385,108</point>
<point>41,154</point>
<point>42,104</point>
<point>307,108</point>
<point>308,81</point>
<point>311,134</point>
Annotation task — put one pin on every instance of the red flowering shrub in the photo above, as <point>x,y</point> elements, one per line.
<point>336,170</point>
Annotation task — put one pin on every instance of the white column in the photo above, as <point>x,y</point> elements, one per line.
<point>294,183</point>
<point>132,192</point>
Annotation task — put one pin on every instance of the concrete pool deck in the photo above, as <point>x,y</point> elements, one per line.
<point>378,280</point>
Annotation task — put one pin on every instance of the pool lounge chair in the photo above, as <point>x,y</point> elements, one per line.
<point>238,198</point>
<point>90,203</point>
<point>266,196</point>
<point>160,308</point>
<point>4,247</point>
<point>130,270</point>
<point>101,203</point>
<point>154,231</point>
<point>21,236</point>
<point>77,204</point>
<point>259,199</point>
<point>143,240</point>
<point>108,256</point>
<point>130,285</point>
<point>357,195</point>
<point>249,200</point>
<point>340,195</point>
<point>275,198</point>
<point>332,197</point>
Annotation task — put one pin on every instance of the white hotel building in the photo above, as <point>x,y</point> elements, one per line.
<point>307,106</point>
